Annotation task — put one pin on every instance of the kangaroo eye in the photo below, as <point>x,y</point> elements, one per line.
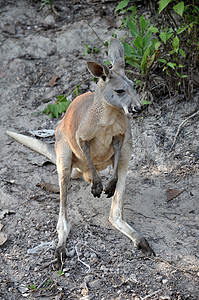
<point>119,91</point>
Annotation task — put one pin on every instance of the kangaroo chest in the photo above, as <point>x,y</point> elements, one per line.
<point>101,145</point>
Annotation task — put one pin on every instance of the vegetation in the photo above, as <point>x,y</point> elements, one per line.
<point>61,104</point>
<point>49,3</point>
<point>169,42</point>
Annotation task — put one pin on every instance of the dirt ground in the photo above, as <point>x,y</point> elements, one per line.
<point>101,263</point>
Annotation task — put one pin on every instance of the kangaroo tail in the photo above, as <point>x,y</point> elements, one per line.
<point>35,145</point>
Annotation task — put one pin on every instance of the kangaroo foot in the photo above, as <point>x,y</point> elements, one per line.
<point>60,254</point>
<point>143,245</point>
<point>110,187</point>
<point>96,188</point>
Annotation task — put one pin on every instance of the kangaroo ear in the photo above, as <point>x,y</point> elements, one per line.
<point>97,70</point>
<point>116,53</point>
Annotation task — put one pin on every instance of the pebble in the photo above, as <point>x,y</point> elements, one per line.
<point>49,20</point>
<point>9,28</point>
<point>164,281</point>
<point>95,284</point>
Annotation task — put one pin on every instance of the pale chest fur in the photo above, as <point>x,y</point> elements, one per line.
<point>111,125</point>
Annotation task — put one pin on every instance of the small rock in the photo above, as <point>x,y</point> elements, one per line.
<point>88,278</point>
<point>70,253</point>
<point>93,261</point>
<point>49,20</point>
<point>85,298</point>
<point>164,281</point>
<point>23,288</point>
<point>95,284</point>
<point>9,28</point>
<point>93,255</point>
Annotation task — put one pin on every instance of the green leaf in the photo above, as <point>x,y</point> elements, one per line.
<point>172,51</point>
<point>184,76</point>
<point>121,5</point>
<point>133,63</point>
<point>180,30</point>
<point>133,29</point>
<point>61,98</point>
<point>138,43</point>
<point>152,46</point>
<point>132,8</point>
<point>128,49</point>
<point>178,74</point>
<point>168,35</point>
<point>176,43</point>
<point>153,29</point>
<point>182,52</point>
<point>163,37</point>
<point>171,65</point>
<point>62,107</point>
<point>157,45</point>
<point>107,62</point>
<point>147,40</point>
<point>54,110</point>
<point>144,24</point>
<point>144,61</point>
<point>162,60</point>
<point>179,8</point>
<point>145,102</point>
<point>163,4</point>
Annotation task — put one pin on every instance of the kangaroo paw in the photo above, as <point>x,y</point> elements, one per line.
<point>96,188</point>
<point>110,187</point>
<point>60,254</point>
<point>143,245</point>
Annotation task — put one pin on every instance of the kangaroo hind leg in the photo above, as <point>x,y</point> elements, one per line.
<point>64,167</point>
<point>116,213</point>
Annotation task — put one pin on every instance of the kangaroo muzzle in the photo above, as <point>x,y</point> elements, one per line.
<point>135,109</point>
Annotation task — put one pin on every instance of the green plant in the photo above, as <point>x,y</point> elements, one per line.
<point>77,90</point>
<point>61,104</point>
<point>141,51</point>
<point>180,42</point>
<point>51,5</point>
<point>175,33</point>
<point>46,2</point>
<point>32,287</point>
<point>61,273</point>
<point>48,282</point>
<point>90,50</point>
<point>56,109</point>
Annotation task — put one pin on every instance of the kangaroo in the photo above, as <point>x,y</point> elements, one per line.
<point>95,133</point>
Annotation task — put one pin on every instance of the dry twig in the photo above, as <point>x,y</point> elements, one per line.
<point>49,263</point>
<point>181,126</point>
<point>174,267</point>
<point>81,261</point>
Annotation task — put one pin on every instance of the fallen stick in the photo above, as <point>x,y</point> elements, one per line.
<point>181,126</point>
<point>78,258</point>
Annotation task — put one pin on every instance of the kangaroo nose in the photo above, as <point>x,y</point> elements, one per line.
<point>135,109</point>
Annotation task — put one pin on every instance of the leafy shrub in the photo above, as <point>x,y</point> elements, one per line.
<point>172,41</point>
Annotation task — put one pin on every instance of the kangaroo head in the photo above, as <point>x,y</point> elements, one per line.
<point>114,87</point>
